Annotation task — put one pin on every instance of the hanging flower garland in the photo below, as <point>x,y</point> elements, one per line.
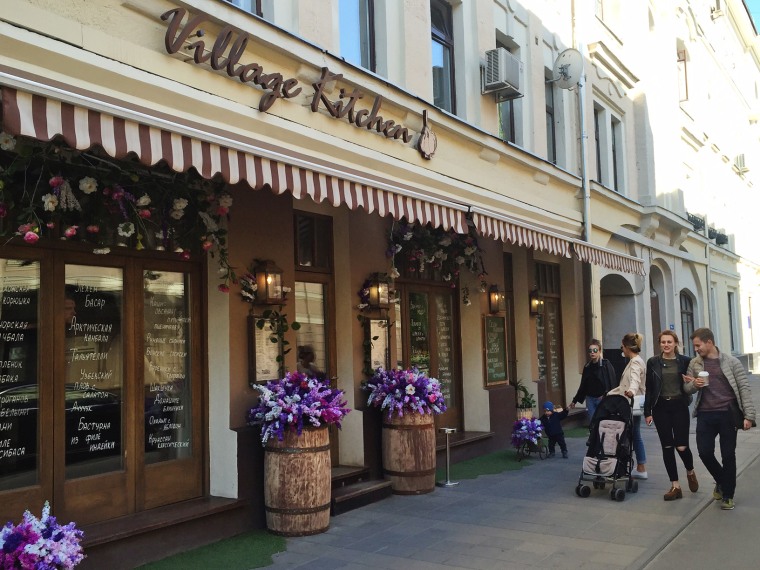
<point>422,248</point>
<point>48,190</point>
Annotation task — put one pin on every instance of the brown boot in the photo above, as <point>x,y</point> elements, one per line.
<point>693,483</point>
<point>673,494</point>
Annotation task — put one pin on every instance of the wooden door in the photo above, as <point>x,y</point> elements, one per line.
<point>429,322</point>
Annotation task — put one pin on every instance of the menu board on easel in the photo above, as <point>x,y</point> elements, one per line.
<point>495,350</point>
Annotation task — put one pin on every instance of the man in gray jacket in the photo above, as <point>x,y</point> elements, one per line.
<point>724,402</point>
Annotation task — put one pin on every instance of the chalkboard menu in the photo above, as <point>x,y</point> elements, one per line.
<point>541,347</point>
<point>552,334</point>
<point>19,291</point>
<point>167,381</point>
<point>418,331</point>
<point>94,369</point>
<point>495,350</point>
<point>444,346</point>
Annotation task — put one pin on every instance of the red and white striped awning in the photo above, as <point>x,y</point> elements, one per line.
<point>45,118</point>
<point>498,227</point>
<point>504,228</point>
<point>608,258</point>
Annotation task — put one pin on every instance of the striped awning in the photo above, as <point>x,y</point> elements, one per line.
<point>45,118</point>
<point>524,235</point>
<point>504,228</point>
<point>608,258</point>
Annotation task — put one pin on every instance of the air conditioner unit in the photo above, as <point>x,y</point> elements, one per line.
<point>501,75</point>
<point>739,164</point>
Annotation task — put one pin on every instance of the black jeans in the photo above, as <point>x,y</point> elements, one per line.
<point>671,418</point>
<point>558,438</point>
<point>709,426</point>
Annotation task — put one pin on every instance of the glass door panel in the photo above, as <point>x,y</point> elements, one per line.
<point>167,373</point>
<point>19,382</point>
<point>94,372</point>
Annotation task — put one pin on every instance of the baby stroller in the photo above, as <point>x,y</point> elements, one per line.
<point>609,458</point>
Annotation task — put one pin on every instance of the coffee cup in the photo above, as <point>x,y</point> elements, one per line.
<point>705,376</point>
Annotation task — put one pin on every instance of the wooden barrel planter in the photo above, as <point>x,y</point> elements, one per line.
<point>409,453</point>
<point>297,483</point>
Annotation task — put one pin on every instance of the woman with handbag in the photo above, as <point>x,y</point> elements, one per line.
<point>632,383</point>
<point>667,403</point>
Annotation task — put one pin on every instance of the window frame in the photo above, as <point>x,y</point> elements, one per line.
<point>367,25</point>
<point>447,42</point>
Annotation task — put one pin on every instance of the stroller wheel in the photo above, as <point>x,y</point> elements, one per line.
<point>635,487</point>
<point>619,495</point>
<point>578,490</point>
<point>585,491</point>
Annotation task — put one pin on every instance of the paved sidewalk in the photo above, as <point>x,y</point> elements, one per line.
<point>532,518</point>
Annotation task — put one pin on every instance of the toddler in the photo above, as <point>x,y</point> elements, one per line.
<point>553,428</point>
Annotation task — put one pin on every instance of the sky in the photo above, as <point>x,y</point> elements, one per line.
<point>754,10</point>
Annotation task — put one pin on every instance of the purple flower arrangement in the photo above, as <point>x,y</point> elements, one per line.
<point>526,429</point>
<point>40,544</point>
<point>295,401</point>
<point>405,390</point>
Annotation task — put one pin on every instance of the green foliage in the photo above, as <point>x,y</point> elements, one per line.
<point>276,322</point>
<point>523,397</point>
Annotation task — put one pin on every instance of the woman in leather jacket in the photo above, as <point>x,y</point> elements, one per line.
<point>667,404</point>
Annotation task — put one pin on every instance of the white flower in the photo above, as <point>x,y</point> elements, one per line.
<point>177,214</point>
<point>408,236</point>
<point>143,201</point>
<point>179,204</point>
<point>67,199</point>
<point>459,259</point>
<point>447,277</point>
<point>445,242</point>
<point>225,200</point>
<point>209,222</point>
<point>126,229</point>
<point>467,302</point>
<point>394,273</point>
<point>438,253</point>
<point>7,142</point>
<point>362,306</point>
<point>103,251</point>
<point>88,185</point>
<point>409,389</point>
<point>50,201</point>
<point>286,289</point>
<point>470,249</point>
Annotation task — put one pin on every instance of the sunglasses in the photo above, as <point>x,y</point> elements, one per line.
<point>593,350</point>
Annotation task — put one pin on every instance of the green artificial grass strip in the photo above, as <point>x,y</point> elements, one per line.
<point>576,432</point>
<point>490,464</point>
<point>249,550</point>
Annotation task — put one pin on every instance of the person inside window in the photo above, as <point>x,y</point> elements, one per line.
<point>306,360</point>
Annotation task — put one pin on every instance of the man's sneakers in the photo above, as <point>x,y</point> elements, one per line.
<point>717,493</point>
<point>727,505</point>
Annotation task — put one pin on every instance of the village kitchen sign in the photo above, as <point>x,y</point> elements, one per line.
<point>228,49</point>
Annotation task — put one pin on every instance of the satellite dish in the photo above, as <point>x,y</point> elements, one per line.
<point>568,68</point>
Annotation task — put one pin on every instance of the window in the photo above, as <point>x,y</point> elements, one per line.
<point>683,83</point>
<point>443,55</point>
<point>356,27</point>
<point>551,133</point>
<point>610,151</point>
<point>252,6</point>
<point>549,347</point>
<point>732,322</point>
<point>313,241</point>
<point>509,113</point>
<point>687,323</point>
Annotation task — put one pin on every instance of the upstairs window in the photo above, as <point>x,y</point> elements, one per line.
<point>442,44</point>
<point>551,131</point>
<point>357,34</point>
<point>252,6</point>
<point>609,139</point>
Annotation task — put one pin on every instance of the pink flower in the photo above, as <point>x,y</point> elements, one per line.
<point>23,228</point>
<point>71,231</point>
<point>31,237</point>
<point>56,181</point>
<point>223,288</point>
<point>107,191</point>
<point>50,225</point>
<point>185,255</point>
<point>222,211</point>
<point>93,229</point>
<point>144,214</point>
<point>3,210</point>
<point>206,245</point>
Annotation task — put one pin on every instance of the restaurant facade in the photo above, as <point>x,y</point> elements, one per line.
<point>156,154</point>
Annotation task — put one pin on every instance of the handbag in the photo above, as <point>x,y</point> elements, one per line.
<point>638,405</point>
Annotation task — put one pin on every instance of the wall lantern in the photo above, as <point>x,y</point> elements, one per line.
<point>536,303</point>
<point>495,298</point>
<point>268,283</point>
<point>379,291</point>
